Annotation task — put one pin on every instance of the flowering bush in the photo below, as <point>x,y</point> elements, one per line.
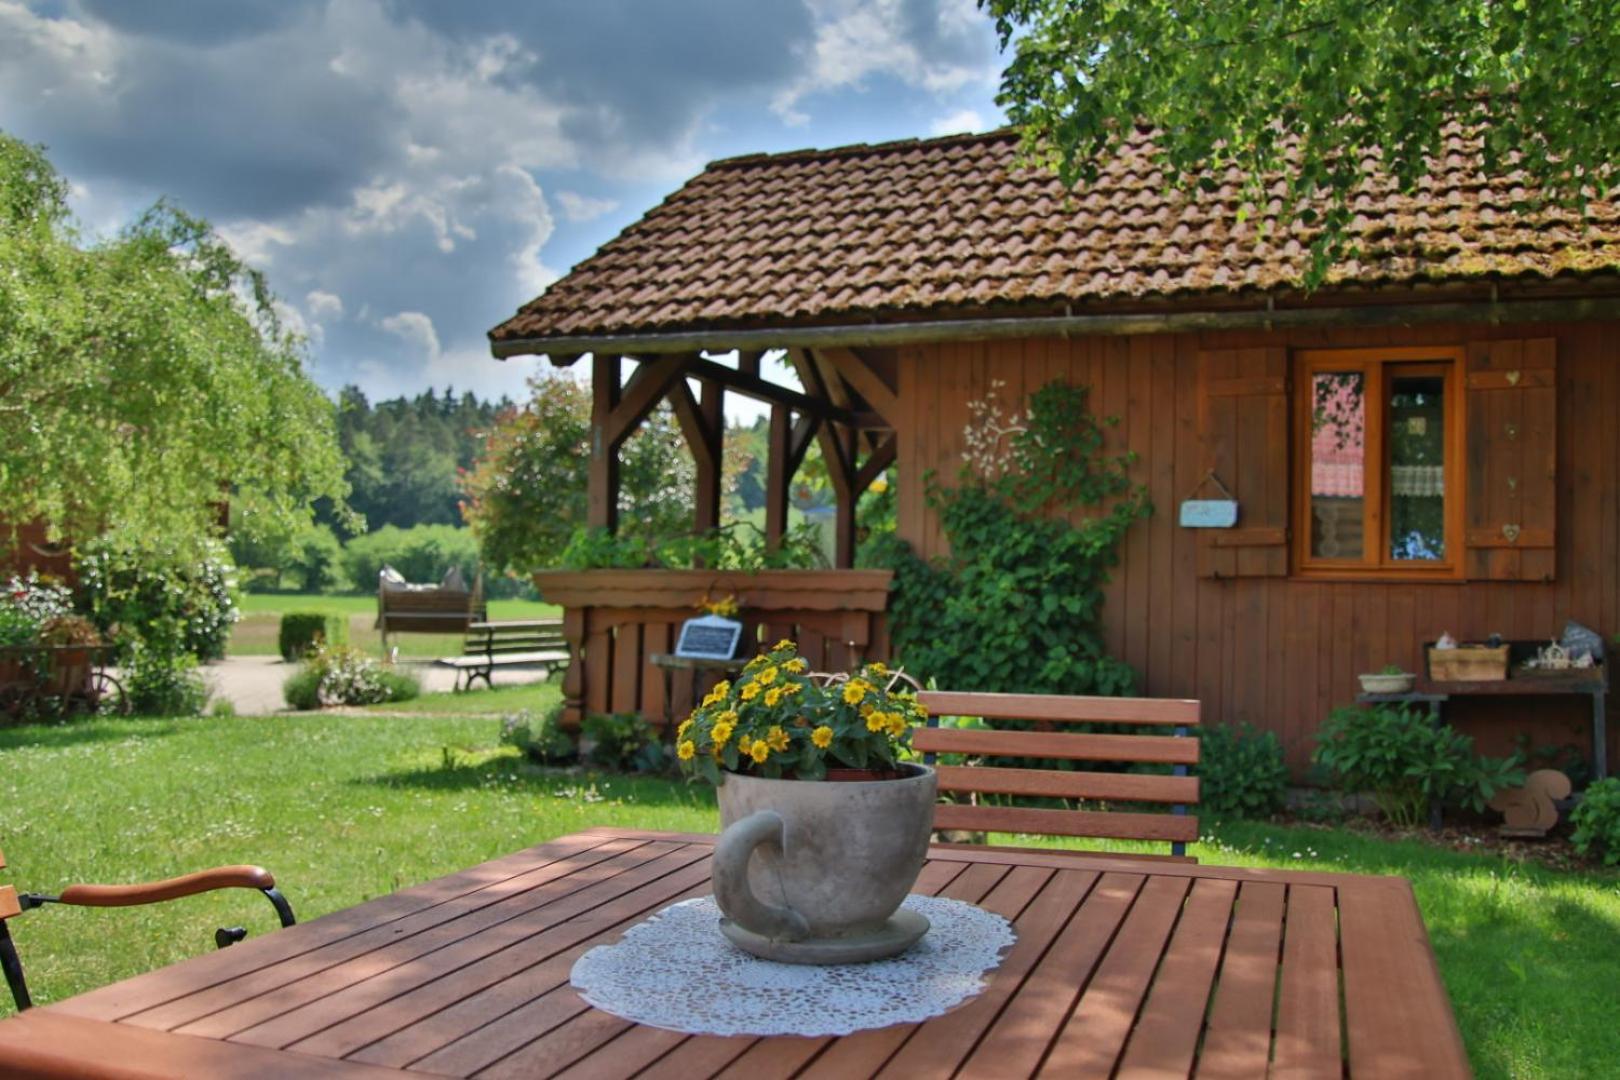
<point>173,601</point>
<point>779,720</point>
<point>343,675</point>
<point>38,599</point>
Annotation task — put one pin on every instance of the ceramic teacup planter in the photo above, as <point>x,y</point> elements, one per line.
<point>826,828</point>
<point>814,873</point>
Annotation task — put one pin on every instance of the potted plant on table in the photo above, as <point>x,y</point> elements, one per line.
<point>1389,680</point>
<point>825,826</point>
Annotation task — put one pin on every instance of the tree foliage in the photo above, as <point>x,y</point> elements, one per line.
<point>526,497</point>
<point>144,377</point>
<point>1301,89</point>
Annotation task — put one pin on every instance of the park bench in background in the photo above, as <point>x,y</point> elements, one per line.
<point>447,608</point>
<point>1172,746</point>
<point>493,644</point>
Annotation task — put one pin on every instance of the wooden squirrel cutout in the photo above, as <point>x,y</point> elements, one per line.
<point>1529,810</point>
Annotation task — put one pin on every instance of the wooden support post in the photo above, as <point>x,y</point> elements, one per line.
<point>602,509</point>
<point>779,469</point>
<point>712,410</point>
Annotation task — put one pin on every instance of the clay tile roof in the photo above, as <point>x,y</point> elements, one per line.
<point>921,227</point>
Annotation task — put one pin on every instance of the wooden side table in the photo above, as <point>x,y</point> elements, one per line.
<point>669,664</point>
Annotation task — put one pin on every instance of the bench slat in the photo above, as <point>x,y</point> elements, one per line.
<point>1111,825</point>
<point>1155,749</point>
<point>1044,783</point>
<point>1059,709</point>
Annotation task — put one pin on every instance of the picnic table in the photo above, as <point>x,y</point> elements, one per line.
<point>1116,966</point>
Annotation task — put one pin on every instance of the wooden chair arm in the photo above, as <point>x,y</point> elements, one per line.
<point>221,877</point>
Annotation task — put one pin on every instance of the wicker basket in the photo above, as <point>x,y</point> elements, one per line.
<point>1469,663</point>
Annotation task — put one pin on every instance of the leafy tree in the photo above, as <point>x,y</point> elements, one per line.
<point>1305,89</point>
<point>526,496</point>
<point>144,377</point>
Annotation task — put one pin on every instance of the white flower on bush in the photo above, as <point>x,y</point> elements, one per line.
<point>351,678</point>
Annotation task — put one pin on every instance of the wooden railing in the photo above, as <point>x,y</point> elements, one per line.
<point>615,619</point>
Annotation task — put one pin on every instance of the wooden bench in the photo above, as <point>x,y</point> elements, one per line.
<point>1173,746</point>
<point>492,644</point>
<point>429,611</point>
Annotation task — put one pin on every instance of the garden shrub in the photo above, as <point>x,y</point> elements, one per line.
<point>1404,760</point>
<point>622,742</point>
<point>301,631</point>
<point>422,553</point>
<point>541,739</point>
<point>1033,527</point>
<point>1597,821</point>
<point>1241,772</point>
<point>163,683</point>
<point>170,600</point>
<point>343,675</point>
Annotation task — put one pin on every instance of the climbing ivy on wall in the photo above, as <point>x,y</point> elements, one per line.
<point>1034,523</point>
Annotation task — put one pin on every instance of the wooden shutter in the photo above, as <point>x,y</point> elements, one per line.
<point>1511,505</point>
<point>1243,395</point>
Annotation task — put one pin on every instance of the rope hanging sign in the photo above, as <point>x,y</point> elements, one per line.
<point>1209,513</point>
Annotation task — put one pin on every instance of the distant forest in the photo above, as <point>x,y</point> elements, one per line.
<point>405,454</point>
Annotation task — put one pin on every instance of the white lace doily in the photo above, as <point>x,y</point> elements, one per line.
<point>676,971</point>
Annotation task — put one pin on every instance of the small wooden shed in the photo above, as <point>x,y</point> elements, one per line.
<point>1427,443</point>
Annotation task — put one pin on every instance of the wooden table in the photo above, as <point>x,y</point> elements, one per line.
<point>1115,967</point>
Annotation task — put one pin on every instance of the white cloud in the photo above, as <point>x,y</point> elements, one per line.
<point>323,305</point>
<point>416,329</point>
<point>939,48</point>
<point>577,207</point>
<point>960,122</point>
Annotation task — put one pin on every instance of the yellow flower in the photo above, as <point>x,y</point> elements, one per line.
<point>794,666</point>
<point>759,752</point>
<point>877,668</point>
<point>897,725</point>
<point>867,710</point>
<point>766,677</point>
<point>686,749</point>
<point>744,745</point>
<point>785,643</point>
<point>721,733</point>
<point>922,711</point>
<point>756,661</point>
<point>773,696</point>
<point>686,725</point>
<point>776,738</point>
<point>877,721</point>
<point>727,717</point>
<point>791,688</point>
<point>718,694</point>
<point>822,737</point>
<point>854,691</point>
<point>749,692</point>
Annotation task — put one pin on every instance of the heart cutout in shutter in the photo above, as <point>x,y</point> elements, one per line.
<point>1513,377</point>
<point>1510,533</point>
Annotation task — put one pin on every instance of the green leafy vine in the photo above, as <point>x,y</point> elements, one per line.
<point>1034,525</point>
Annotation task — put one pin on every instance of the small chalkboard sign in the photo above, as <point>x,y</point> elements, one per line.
<point>709,637</point>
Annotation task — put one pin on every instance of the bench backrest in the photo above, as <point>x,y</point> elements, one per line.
<point>1172,744</point>
<point>431,611</point>
<point>535,635</point>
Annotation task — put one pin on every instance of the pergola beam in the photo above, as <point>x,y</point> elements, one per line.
<point>770,393</point>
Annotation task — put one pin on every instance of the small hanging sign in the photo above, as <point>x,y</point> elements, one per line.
<point>1209,513</point>
<point>709,637</point>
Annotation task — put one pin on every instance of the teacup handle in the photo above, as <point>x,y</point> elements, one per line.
<point>731,854</point>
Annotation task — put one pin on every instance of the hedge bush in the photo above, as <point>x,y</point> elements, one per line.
<point>1597,821</point>
<point>174,601</point>
<point>301,631</point>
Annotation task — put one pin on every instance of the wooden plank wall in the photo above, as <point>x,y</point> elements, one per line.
<point>1280,652</point>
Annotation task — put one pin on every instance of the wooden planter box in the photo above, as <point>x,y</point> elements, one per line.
<point>1468,663</point>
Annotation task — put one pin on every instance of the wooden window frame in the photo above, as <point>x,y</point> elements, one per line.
<point>1450,361</point>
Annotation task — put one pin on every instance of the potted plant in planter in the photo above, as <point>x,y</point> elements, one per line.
<point>1390,680</point>
<point>71,662</point>
<point>825,827</point>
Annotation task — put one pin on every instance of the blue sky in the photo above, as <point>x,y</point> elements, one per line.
<point>409,171</point>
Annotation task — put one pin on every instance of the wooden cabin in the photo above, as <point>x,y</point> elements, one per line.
<point>1428,442</point>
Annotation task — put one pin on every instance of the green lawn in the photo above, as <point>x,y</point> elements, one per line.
<point>344,808</point>
<point>256,633</point>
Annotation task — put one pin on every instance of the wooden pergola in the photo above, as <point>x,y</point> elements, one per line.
<point>848,406</point>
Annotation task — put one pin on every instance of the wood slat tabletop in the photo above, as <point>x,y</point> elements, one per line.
<point>1122,968</point>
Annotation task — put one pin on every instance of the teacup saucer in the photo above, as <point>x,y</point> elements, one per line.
<point>903,930</point>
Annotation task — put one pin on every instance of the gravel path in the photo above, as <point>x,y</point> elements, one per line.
<point>253,683</point>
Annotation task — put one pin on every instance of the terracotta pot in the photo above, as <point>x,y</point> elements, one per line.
<point>814,872</point>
